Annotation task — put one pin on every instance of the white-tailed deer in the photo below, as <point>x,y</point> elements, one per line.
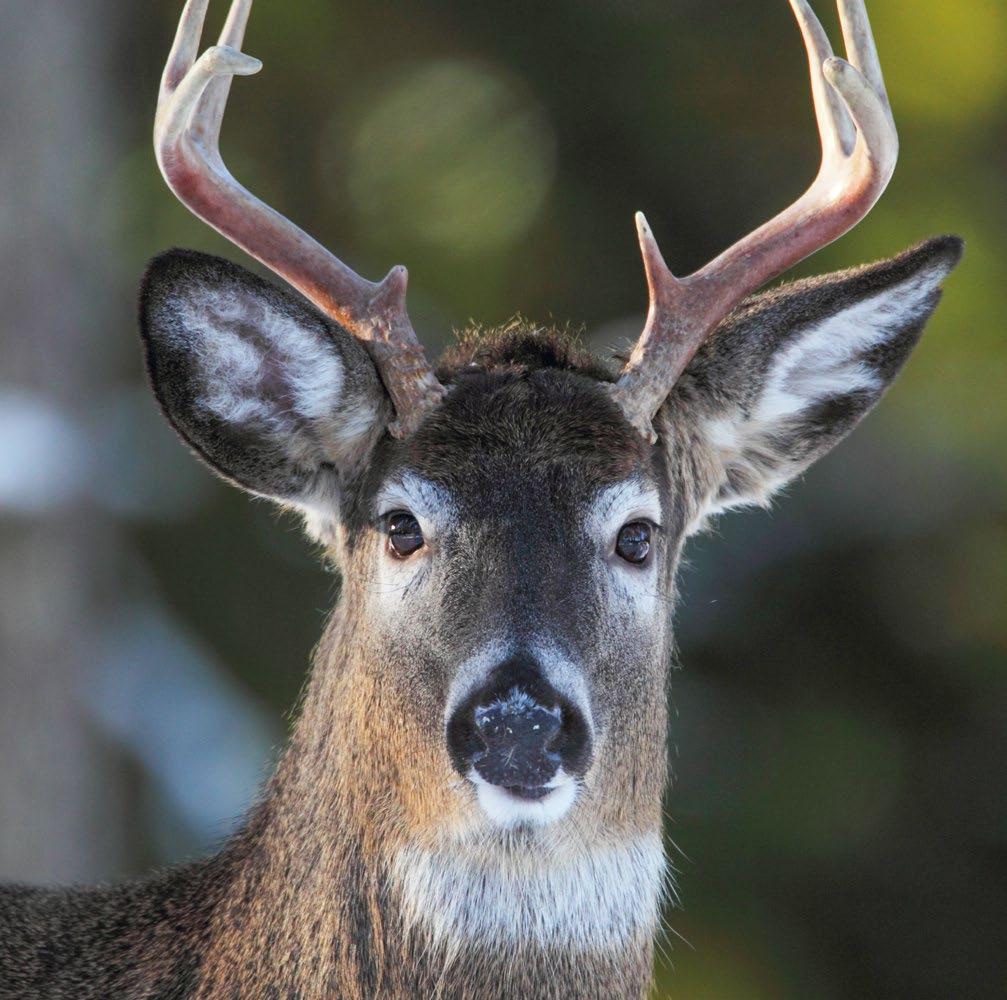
<point>470,805</point>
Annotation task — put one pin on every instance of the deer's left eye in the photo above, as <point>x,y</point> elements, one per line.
<point>404,534</point>
<point>634,542</point>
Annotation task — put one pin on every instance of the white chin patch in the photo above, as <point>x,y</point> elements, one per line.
<point>508,811</point>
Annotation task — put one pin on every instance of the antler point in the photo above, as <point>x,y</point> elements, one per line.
<point>395,282</point>
<point>834,68</point>
<point>658,274</point>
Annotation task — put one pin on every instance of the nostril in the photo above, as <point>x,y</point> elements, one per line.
<point>464,742</point>
<point>572,742</point>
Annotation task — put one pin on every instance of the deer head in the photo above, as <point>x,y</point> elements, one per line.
<point>508,528</point>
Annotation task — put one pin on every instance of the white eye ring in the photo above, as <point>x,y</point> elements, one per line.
<point>430,505</point>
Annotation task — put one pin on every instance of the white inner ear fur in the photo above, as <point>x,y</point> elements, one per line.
<point>823,361</point>
<point>263,370</point>
<point>237,370</point>
<point>234,367</point>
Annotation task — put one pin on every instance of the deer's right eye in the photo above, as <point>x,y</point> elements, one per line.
<point>404,534</point>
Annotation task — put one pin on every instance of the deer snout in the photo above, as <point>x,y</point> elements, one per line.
<point>518,734</point>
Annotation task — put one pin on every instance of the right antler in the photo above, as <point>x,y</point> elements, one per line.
<point>859,149</point>
<point>190,109</point>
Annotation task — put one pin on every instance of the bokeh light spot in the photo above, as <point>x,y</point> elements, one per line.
<point>453,154</point>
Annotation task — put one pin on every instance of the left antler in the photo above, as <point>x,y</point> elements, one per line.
<point>190,109</point>
<point>859,150</point>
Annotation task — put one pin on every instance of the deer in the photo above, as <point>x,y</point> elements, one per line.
<point>470,803</point>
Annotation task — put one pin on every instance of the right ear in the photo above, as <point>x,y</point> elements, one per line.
<point>269,392</point>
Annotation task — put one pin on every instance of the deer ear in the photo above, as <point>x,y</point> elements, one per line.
<point>792,371</point>
<point>273,395</point>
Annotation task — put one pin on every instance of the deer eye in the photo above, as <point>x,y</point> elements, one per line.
<point>633,542</point>
<point>404,533</point>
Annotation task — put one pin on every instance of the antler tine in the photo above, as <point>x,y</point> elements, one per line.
<point>185,47</point>
<point>860,47</point>
<point>859,150</point>
<point>214,100</point>
<point>190,109</point>
<point>834,125</point>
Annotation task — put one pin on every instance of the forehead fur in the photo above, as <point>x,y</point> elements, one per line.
<point>528,396</point>
<point>520,346</point>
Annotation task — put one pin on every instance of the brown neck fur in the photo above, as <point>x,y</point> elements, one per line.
<point>310,911</point>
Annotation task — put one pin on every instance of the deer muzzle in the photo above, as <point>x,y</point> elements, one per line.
<point>518,733</point>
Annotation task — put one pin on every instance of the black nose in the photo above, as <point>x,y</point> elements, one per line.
<point>517,731</point>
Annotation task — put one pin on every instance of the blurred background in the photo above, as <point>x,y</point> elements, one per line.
<point>838,818</point>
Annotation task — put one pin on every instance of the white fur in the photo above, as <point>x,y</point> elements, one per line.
<point>233,367</point>
<point>599,899</point>
<point>507,811</point>
<point>431,505</point>
<point>824,360</point>
<point>628,586</point>
<point>616,505</point>
<point>396,580</point>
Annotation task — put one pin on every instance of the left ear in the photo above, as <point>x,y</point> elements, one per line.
<point>791,372</point>
<point>271,394</point>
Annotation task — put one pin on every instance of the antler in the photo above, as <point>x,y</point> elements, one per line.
<point>859,150</point>
<point>190,109</point>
